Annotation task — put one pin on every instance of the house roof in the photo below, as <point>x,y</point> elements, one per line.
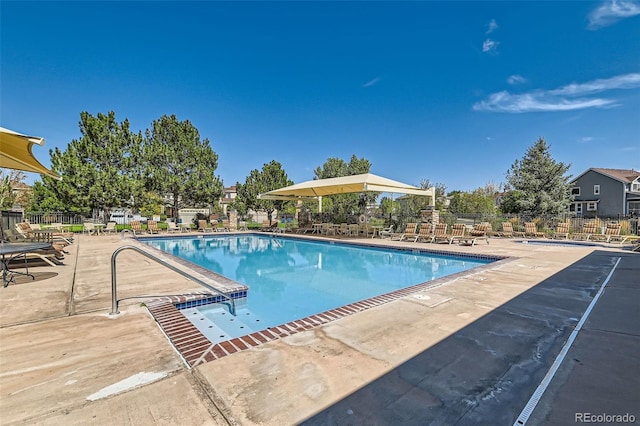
<point>622,175</point>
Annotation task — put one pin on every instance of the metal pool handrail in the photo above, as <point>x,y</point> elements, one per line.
<point>114,297</point>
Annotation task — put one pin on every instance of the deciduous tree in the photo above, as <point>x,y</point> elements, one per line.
<point>272,176</point>
<point>343,205</point>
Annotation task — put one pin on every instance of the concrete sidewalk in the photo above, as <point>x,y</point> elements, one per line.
<point>64,359</point>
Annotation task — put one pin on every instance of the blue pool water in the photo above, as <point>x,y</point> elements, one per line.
<point>289,279</point>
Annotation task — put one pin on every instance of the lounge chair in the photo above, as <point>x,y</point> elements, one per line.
<point>480,231</point>
<point>88,228</point>
<point>562,231</point>
<point>55,229</point>
<point>531,230</point>
<point>425,234</point>
<point>588,230</point>
<point>223,226</point>
<point>458,231</point>
<point>353,230</point>
<point>271,228</point>
<point>59,227</point>
<point>440,234</point>
<point>136,227</point>
<point>172,227</point>
<point>326,229</point>
<point>204,226</point>
<point>385,232</point>
<point>624,238</point>
<point>53,255</point>
<point>110,228</point>
<point>612,230</point>
<point>507,230</point>
<point>27,232</point>
<point>300,230</point>
<point>410,232</point>
<point>152,227</point>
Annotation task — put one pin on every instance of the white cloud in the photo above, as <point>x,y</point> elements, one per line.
<point>567,98</point>
<point>372,82</point>
<point>516,79</point>
<point>612,11</point>
<point>490,46</point>
<point>626,81</point>
<point>492,26</point>
<point>586,139</point>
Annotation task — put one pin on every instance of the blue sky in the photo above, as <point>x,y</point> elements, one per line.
<point>453,92</point>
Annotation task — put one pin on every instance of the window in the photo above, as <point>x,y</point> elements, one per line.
<point>596,189</point>
<point>576,208</point>
<point>635,187</point>
<point>592,206</point>
<point>575,190</point>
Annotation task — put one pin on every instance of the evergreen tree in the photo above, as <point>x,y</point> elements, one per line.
<point>180,165</point>
<point>271,177</point>
<point>99,170</point>
<point>540,181</point>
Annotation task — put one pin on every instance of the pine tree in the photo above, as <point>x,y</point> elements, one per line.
<point>180,165</point>
<point>99,170</point>
<point>539,183</point>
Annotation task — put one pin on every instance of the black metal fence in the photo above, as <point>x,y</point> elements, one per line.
<point>55,217</point>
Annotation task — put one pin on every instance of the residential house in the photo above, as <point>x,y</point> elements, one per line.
<point>228,195</point>
<point>606,193</point>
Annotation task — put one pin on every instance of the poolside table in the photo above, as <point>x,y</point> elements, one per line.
<point>98,228</point>
<point>10,251</point>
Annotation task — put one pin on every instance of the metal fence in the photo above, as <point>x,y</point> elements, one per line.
<point>630,224</point>
<point>55,217</point>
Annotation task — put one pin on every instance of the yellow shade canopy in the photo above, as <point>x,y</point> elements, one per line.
<point>15,153</point>
<point>346,184</point>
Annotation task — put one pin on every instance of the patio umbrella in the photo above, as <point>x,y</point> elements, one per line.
<point>342,185</point>
<point>15,153</point>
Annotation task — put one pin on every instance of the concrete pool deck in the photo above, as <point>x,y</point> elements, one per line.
<point>470,351</point>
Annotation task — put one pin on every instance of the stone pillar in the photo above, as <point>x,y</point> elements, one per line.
<point>233,219</point>
<point>430,216</point>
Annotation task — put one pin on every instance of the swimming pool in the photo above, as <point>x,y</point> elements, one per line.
<point>291,278</point>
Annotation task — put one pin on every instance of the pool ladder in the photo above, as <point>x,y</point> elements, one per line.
<point>114,297</point>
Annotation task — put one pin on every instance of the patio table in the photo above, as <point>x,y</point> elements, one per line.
<point>10,251</point>
<point>97,228</point>
<point>375,230</point>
